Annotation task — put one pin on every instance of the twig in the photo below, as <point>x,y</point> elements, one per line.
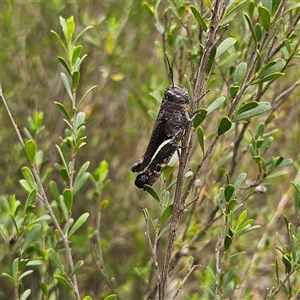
<point>184,280</point>
<point>218,263</point>
<point>152,247</point>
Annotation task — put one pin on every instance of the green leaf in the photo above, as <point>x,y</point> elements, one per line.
<point>78,265</point>
<point>65,64</point>
<point>54,257</point>
<point>82,170</point>
<point>76,53</point>
<point>234,90</point>
<point>240,73</point>
<point>80,120</point>
<point>152,192</point>
<point>87,92</point>
<point>266,145</point>
<point>258,31</point>
<point>30,150</point>
<point>229,192</point>
<point>4,232</point>
<point>247,106</point>
<point>200,136</point>
<point>200,117</point>
<point>75,80</point>
<point>241,178</point>
<point>26,294</point>
<point>166,213</point>
<point>66,84</point>
<point>166,229</point>
<point>227,242</point>
<point>277,174</point>
<point>267,4</point>
<point>63,281</point>
<point>81,33</point>
<point>234,255</point>
<point>7,276</point>
<point>151,10</point>
<point>63,109</point>
<point>81,181</point>
<point>25,274</point>
<point>29,178</point>
<point>277,270</point>
<point>54,191</point>
<point>231,205</point>
<point>80,143</point>
<point>271,67</point>
<point>208,4</point>
<point>198,17</point>
<point>159,28</point>
<point>277,161</point>
<point>224,46</point>
<point>191,262</point>
<point>70,29</point>
<point>15,269</point>
<point>168,170</point>
<point>211,60</point>
<point>40,219</point>
<point>224,125</point>
<point>215,104</point>
<point>60,41</point>
<point>248,19</point>
<point>150,218</point>
<point>248,229</point>
<point>62,156</point>
<point>63,24</point>
<point>241,219</point>
<point>30,199</point>
<point>286,259</point>
<point>166,200</point>
<point>68,199</point>
<point>260,109</point>
<point>31,236</point>
<point>267,78</point>
<point>111,297</point>
<point>264,17</point>
<point>80,221</point>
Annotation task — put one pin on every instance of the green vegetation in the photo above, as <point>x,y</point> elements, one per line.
<point>81,84</point>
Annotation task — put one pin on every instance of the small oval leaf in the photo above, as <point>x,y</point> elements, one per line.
<point>215,104</point>
<point>224,125</point>
<point>166,213</point>
<point>225,45</point>
<point>80,221</point>
<point>239,73</point>
<point>247,106</point>
<point>152,192</point>
<point>198,17</point>
<point>30,150</point>
<point>260,109</point>
<point>200,136</point>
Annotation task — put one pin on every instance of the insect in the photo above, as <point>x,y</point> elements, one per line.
<point>168,130</point>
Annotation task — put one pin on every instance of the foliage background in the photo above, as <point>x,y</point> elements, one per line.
<point>125,64</point>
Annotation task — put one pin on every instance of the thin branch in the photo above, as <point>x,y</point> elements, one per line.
<point>184,280</point>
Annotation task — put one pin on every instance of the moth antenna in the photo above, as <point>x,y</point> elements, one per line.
<point>170,70</point>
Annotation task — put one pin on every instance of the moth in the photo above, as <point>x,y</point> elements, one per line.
<point>168,130</point>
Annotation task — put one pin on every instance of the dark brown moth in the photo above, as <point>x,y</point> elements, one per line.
<point>168,130</point>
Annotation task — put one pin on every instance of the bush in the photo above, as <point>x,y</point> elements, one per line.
<point>225,210</point>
